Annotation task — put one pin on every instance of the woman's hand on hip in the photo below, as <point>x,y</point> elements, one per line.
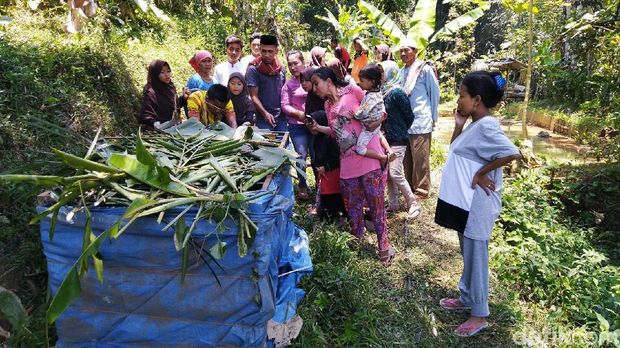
<point>484,182</point>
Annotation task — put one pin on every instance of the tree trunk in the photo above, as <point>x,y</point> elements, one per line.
<point>528,77</point>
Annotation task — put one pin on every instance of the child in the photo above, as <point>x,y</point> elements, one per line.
<point>242,104</point>
<point>326,162</point>
<point>470,192</point>
<point>159,97</point>
<point>371,114</point>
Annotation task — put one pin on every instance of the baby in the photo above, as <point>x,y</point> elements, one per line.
<point>371,114</point>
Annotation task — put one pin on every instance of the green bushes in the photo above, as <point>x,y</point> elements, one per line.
<point>552,262</point>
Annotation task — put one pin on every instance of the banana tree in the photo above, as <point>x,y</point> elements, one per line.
<point>349,24</point>
<point>421,26</point>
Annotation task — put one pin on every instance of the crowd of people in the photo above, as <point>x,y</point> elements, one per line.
<point>364,126</point>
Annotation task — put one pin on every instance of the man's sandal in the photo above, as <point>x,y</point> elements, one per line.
<point>452,304</point>
<point>470,330</point>
<point>386,256</point>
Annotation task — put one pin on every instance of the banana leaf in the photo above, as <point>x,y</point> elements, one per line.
<point>388,27</point>
<point>422,23</point>
<point>461,22</point>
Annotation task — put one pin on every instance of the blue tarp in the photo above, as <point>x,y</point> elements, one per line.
<point>142,301</point>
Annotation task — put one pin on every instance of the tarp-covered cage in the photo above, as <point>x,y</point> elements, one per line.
<point>142,301</point>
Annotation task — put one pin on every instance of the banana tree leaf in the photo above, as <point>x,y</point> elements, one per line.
<point>223,173</point>
<point>129,193</point>
<point>422,24</point>
<point>38,180</point>
<point>70,288</point>
<point>331,19</point>
<point>80,163</point>
<point>223,129</point>
<point>142,4</point>
<point>187,129</point>
<point>11,309</point>
<point>272,157</point>
<point>382,21</point>
<point>218,250</point>
<point>461,21</point>
<point>146,174</point>
<point>142,154</point>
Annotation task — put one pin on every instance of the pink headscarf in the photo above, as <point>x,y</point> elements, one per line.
<point>198,57</point>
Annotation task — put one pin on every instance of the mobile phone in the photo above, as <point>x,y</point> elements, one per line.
<point>309,119</point>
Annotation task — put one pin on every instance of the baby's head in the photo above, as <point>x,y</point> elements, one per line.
<point>370,77</point>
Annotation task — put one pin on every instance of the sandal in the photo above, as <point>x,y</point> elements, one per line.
<point>470,330</point>
<point>414,211</point>
<point>386,256</point>
<point>452,304</point>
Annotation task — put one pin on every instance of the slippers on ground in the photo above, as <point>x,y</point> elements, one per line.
<point>470,330</point>
<point>452,304</point>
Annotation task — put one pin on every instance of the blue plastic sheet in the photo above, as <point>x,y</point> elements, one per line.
<point>142,301</point>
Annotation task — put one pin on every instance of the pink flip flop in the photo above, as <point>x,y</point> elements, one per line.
<point>470,330</point>
<point>452,304</point>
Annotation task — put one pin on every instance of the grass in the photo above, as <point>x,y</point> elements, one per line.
<point>353,301</point>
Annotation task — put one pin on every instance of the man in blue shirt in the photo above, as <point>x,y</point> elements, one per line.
<point>420,83</point>
<point>265,77</point>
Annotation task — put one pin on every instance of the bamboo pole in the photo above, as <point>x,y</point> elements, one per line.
<point>528,77</point>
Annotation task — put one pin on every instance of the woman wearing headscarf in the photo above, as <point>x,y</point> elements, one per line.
<point>360,59</point>
<point>385,58</point>
<point>242,104</point>
<point>400,117</point>
<point>202,62</point>
<point>317,55</point>
<point>159,97</point>
<point>338,68</point>
<point>313,102</point>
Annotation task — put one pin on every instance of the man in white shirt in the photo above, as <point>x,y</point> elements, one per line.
<point>222,71</point>
<point>254,49</point>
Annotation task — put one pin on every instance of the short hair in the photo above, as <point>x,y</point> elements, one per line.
<point>297,52</point>
<point>325,73</point>
<point>255,35</point>
<point>231,39</point>
<point>484,84</point>
<point>218,92</point>
<point>373,73</point>
<point>334,40</point>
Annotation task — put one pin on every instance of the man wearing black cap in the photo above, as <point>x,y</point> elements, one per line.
<point>265,78</point>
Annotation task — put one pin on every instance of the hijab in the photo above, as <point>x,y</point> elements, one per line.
<point>242,103</point>
<point>336,65</point>
<point>165,93</point>
<point>198,57</point>
<point>392,77</point>
<point>318,56</point>
<point>307,73</point>
<point>384,51</point>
